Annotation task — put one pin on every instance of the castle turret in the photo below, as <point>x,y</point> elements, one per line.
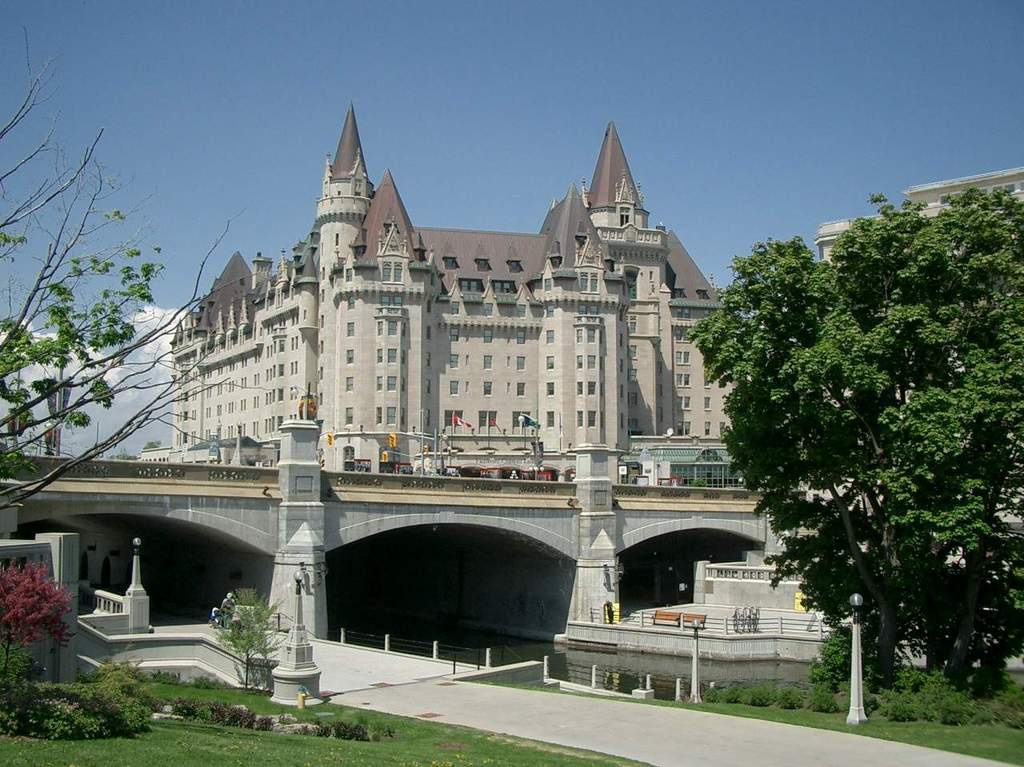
<point>614,197</point>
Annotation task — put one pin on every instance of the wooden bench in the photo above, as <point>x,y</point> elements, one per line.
<point>663,617</point>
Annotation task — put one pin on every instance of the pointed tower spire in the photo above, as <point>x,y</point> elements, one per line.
<point>387,225</point>
<point>348,158</point>
<point>612,181</point>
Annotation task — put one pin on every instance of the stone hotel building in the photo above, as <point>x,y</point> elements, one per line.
<point>513,348</point>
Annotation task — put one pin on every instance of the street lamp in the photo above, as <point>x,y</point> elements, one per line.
<point>856,715</point>
<point>696,621</point>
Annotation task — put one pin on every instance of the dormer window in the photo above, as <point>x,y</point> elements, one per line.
<point>624,216</point>
<point>483,264</point>
<point>514,266</point>
<point>450,262</point>
<point>504,286</point>
<point>588,282</point>
<point>703,294</point>
<point>469,285</point>
<point>391,271</point>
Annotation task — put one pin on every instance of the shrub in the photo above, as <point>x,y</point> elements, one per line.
<point>165,677</point>
<point>902,707</point>
<point>713,695</point>
<point>190,709</point>
<point>69,712</point>
<point>734,694</point>
<point>790,697</point>
<point>761,695</point>
<point>823,699</point>
<point>123,683</point>
<point>19,667</point>
<point>955,709</point>
<point>232,716</point>
<point>263,723</point>
<point>204,682</point>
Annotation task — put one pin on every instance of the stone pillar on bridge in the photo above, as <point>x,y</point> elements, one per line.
<point>300,537</point>
<point>64,547</point>
<point>596,579</point>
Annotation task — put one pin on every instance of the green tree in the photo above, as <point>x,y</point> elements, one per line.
<point>251,635</point>
<point>153,443</point>
<point>878,406</point>
<point>78,330</point>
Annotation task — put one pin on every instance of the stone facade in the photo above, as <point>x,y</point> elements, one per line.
<point>499,348</point>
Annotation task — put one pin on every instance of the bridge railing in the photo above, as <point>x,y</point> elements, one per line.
<point>810,626</point>
<point>340,481</point>
<point>107,602</point>
<point>101,469</point>
<point>694,493</point>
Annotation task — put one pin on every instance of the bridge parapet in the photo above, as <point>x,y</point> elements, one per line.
<point>101,469</point>
<point>339,482</point>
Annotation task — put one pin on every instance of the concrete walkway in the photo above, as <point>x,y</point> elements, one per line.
<point>657,735</point>
<point>347,668</point>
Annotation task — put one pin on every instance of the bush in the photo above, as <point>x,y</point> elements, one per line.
<point>790,697</point>
<point>70,712</point>
<point>734,694</point>
<point>165,677</point>
<point>187,708</point>
<point>713,695</point>
<point>263,723</point>
<point>761,695</point>
<point>232,716</point>
<point>823,699</point>
<point>955,709</point>
<point>123,683</point>
<point>902,707</point>
<point>19,668</point>
<point>207,683</point>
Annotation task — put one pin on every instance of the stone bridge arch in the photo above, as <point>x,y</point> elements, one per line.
<point>351,523</point>
<point>638,528</point>
<point>248,522</point>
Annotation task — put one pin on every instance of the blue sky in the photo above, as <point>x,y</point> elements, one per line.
<point>741,121</point>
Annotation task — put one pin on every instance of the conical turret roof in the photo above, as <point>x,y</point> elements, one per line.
<point>387,208</point>
<point>611,172</point>
<point>348,158</point>
<point>566,222</point>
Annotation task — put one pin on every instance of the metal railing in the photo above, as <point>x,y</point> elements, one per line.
<point>474,657</point>
<point>737,624</point>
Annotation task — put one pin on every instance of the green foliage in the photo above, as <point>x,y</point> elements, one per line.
<point>761,695</point>
<point>790,698</point>
<point>70,712</point>
<point>890,381</point>
<point>253,638</point>
<point>17,669</point>
<point>822,699</point>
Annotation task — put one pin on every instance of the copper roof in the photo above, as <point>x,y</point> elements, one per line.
<point>610,171</point>
<point>228,291</point>
<point>348,158</point>
<point>498,248</point>
<point>566,222</point>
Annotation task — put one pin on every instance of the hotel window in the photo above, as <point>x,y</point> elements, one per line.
<point>520,389</point>
<point>392,383</point>
<point>348,416</point>
<point>488,310</point>
<point>487,388</point>
<point>686,428</point>
<point>591,387</point>
<point>380,383</point>
<point>632,352</point>
<point>551,419</point>
<point>579,362</point>
<point>632,374</point>
<point>453,387</point>
<point>548,283</point>
<point>686,379</point>
<point>591,418</point>
<point>380,354</point>
<point>349,383</point>
<point>392,354</point>
<point>520,336</point>
<point>450,262</point>
<point>591,361</point>
<point>549,363</point>
<point>453,361</point>
<point>350,329</point>
<point>579,418</point>
<point>549,337</point>
<point>686,403</point>
<point>623,216</point>
<point>391,415</point>
<point>392,328</point>
<point>380,415</point>
<point>579,387</point>
<point>453,334</point>
<point>707,428</point>
<point>707,403</point>
<point>579,335</point>
<point>591,335</point>
<point>551,388</point>
<point>488,335</point>
<point>483,264</point>
<point>350,356</point>
<point>520,363</point>
<point>488,361</point>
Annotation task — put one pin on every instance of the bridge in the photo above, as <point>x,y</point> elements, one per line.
<point>514,556</point>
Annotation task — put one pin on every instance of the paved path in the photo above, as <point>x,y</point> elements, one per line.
<point>345,668</point>
<point>658,735</point>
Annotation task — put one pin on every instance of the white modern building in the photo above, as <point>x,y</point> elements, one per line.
<point>934,196</point>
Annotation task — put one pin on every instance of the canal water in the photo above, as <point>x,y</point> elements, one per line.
<point>619,670</point>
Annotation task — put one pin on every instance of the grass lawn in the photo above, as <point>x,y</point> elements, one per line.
<point>416,743</point>
<point>1003,744</point>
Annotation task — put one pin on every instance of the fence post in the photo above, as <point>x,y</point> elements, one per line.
<point>593,677</point>
<point>487,658</point>
<point>679,689</point>
<point>435,650</point>
<point>547,669</point>
<point>387,643</point>
<point>341,636</point>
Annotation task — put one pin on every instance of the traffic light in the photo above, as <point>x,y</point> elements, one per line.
<point>392,440</point>
<point>330,439</point>
<point>384,457</point>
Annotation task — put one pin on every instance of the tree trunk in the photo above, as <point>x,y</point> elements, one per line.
<point>956,666</point>
<point>886,642</point>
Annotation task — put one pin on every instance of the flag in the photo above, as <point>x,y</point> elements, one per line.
<point>525,421</point>
<point>458,421</point>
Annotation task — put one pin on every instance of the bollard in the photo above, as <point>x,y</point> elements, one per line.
<point>547,674</point>
<point>387,643</point>
<point>679,689</point>
<point>647,683</point>
<point>487,658</point>
<point>593,677</point>
<point>341,636</point>
<point>436,651</point>
<point>301,700</point>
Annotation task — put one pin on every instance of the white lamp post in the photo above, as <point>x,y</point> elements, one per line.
<point>856,715</point>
